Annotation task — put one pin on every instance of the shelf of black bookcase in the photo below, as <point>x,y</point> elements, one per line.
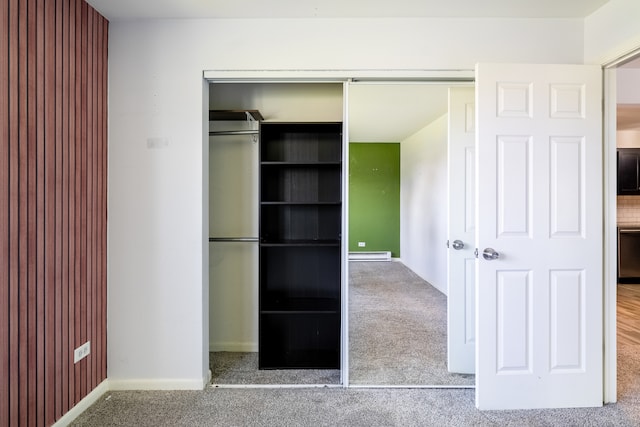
<point>299,340</point>
<point>320,312</point>
<point>301,163</point>
<point>283,243</point>
<point>296,203</point>
<point>302,222</point>
<point>271,303</point>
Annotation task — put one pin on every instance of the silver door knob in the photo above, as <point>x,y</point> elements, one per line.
<point>458,244</point>
<point>490,254</point>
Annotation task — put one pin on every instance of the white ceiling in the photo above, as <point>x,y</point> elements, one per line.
<point>393,112</point>
<point>137,9</point>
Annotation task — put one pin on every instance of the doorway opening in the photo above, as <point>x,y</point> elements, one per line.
<point>623,137</point>
<point>233,302</point>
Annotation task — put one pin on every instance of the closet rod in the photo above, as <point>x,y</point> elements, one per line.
<point>233,132</point>
<point>233,239</point>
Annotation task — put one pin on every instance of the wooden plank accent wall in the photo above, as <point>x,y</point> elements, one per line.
<point>53,206</point>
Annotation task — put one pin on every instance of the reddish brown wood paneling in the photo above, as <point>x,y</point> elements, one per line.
<point>22,201</point>
<point>40,213</point>
<point>78,191</point>
<point>32,200</point>
<point>14,211</point>
<point>89,179</point>
<point>100,173</point>
<point>94,195</point>
<point>72,186</point>
<point>83,194</point>
<point>53,85</point>
<point>66,355</point>
<point>50,212</point>
<point>5,347</point>
<point>57,153</point>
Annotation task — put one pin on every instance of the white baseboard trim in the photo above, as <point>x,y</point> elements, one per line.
<point>240,347</point>
<point>121,385</point>
<point>370,256</point>
<point>83,405</point>
<point>158,384</point>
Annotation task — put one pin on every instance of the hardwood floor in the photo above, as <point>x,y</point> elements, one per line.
<point>629,314</point>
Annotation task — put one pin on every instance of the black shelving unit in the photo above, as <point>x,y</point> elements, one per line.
<point>300,245</point>
<point>628,171</point>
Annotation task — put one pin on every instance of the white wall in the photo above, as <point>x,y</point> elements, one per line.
<point>423,203</point>
<point>158,250</point>
<point>612,31</point>
<point>628,85</point>
<point>628,92</point>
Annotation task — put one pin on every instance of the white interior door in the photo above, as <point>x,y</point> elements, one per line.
<point>461,320</point>
<point>539,214</point>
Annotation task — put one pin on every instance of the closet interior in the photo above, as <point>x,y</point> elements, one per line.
<point>275,220</point>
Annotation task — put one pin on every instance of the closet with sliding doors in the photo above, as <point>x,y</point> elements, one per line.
<point>275,218</point>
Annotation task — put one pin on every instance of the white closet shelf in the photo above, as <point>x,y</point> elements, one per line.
<point>233,239</point>
<point>235,115</point>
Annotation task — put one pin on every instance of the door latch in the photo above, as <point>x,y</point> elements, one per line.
<point>490,254</point>
<point>458,244</point>
<point>476,252</point>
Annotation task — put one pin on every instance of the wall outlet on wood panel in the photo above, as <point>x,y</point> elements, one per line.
<point>81,352</point>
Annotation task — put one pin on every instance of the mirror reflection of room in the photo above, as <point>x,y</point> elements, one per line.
<point>398,199</point>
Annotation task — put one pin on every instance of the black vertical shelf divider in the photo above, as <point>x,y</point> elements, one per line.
<point>300,245</point>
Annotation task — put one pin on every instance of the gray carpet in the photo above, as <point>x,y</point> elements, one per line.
<point>629,373</point>
<point>397,328</point>
<point>242,368</point>
<point>332,407</point>
<point>351,407</point>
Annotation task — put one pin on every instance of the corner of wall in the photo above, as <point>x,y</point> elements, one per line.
<point>84,404</point>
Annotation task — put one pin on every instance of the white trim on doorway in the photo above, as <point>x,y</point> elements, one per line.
<point>347,77</point>
<point>609,238</point>
<point>320,76</point>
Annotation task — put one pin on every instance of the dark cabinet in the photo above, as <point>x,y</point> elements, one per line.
<point>300,245</point>
<point>628,254</point>
<point>628,171</point>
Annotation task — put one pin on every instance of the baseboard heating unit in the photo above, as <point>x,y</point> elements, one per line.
<point>370,256</point>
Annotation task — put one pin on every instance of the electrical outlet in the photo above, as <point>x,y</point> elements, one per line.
<point>362,244</point>
<point>81,352</point>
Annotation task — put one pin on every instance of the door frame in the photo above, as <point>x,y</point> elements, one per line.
<point>609,238</point>
<point>315,76</point>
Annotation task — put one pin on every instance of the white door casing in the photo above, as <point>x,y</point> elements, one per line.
<point>539,193</point>
<point>461,223</point>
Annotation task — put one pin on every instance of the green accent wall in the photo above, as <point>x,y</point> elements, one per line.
<point>374,197</point>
